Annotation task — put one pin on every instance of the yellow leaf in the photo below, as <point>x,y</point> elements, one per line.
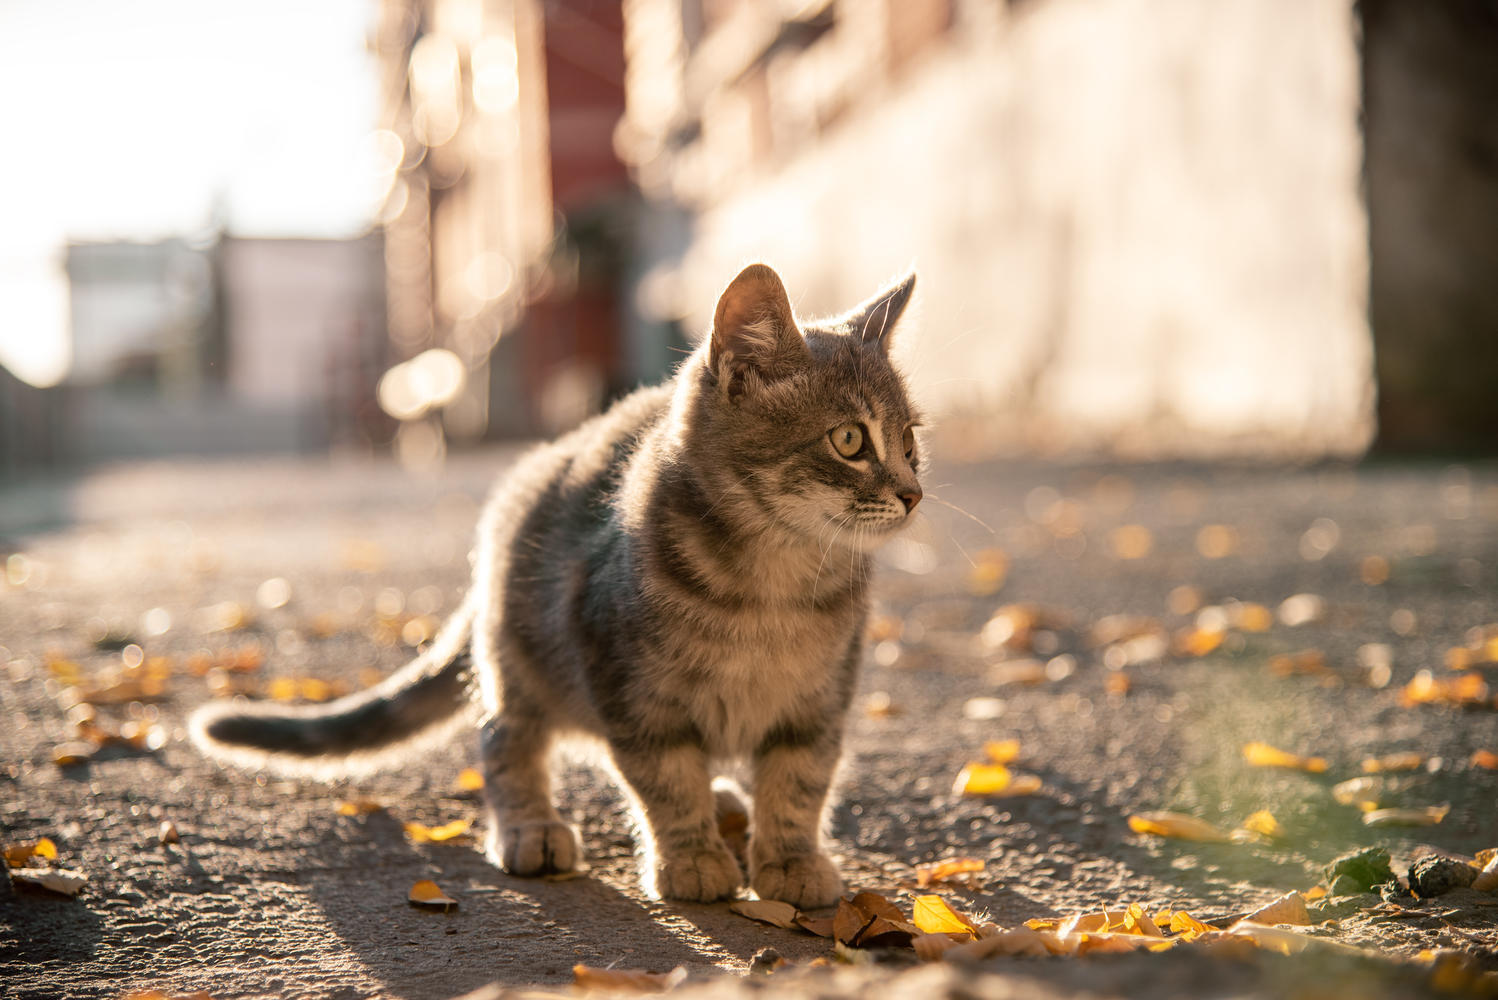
<point>1179,825</point>
<point>422,834</point>
<point>1264,822</point>
<point>935,871</point>
<point>626,980</point>
<point>982,779</point>
<point>16,855</point>
<point>425,893</point>
<point>1429,816</point>
<point>1264,755</point>
<point>1001,751</point>
<point>358,807</point>
<point>1394,762</point>
<point>1315,892</point>
<point>933,916</point>
<point>1186,925</point>
<point>1136,921</point>
<point>470,780</point>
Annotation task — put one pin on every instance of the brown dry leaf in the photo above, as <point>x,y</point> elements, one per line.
<point>1485,759</point>
<point>59,880</point>
<point>1263,822</point>
<point>73,752</point>
<point>626,980</point>
<point>868,920</point>
<point>936,871</point>
<point>1288,909</point>
<point>470,780</point>
<point>820,926</point>
<point>16,855</point>
<point>359,807</point>
<point>1178,825</point>
<point>1264,755</point>
<point>931,947</point>
<point>766,911</point>
<point>1001,751</point>
<point>933,916</point>
<point>1394,762</point>
<point>1428,816</point>
<point>420,833</point>
<point>425,893</point>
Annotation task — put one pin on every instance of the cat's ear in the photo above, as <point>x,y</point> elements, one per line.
<point>755,338</point>
<point>874,321</point>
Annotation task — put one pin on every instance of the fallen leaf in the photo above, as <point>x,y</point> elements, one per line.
<point>766,911</point>
<point>931,947</point>
<point>359,807</point>
<point>1428,816</point>
<point>16,855</point>
<point>1264,755</point>
<point>422,834</point>
<point>1426,688</point>
<point>1136,921</point>
<point>1485,759</point>
<point>1178,825</point>
<point>1394,762</point>
<point>1186,925</point>
<point>1017,941</point>
<point>627,980</point>
<point>1196,641</point>
<point>936,871</point>
<point>426,894</point>
<point>1001,751</point>
<point>75,752</point>
<point>820,926</point>
<point>1487,878</point>
<point>1288,909</point>
<point>1263,822</point>
<point>167,833</point>
<point>470,780</point>
<point>933,916</point>
<point>982,779</point>
<point>59,880</point>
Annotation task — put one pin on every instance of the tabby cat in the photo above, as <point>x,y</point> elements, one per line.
<point>683,578</point>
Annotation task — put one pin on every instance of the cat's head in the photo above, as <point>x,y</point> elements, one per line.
<point>810,423</point>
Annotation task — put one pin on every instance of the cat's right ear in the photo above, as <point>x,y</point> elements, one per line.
<point>755,338</point>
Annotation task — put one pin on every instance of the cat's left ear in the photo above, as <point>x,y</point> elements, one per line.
<point>873,322</point>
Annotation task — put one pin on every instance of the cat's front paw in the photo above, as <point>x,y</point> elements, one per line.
<point>538,848</point>
<point>805,881</point>
<point>702,875</point>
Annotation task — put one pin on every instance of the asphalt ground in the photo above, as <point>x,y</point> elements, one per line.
<point>995,621</point>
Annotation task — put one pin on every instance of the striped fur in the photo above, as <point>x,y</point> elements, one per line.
<point>683,580</point>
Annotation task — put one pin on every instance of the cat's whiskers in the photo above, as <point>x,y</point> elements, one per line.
<point>965,513</point>
<point>839,525</point>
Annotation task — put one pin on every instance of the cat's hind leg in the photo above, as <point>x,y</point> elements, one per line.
<point>527,835</point>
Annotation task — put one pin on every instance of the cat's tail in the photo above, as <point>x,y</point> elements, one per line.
<point>358,733</point>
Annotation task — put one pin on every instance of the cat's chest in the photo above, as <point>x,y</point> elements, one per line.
<point>738,690</point>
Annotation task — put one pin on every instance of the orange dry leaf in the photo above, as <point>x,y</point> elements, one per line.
<point>425,893</point>
<point>1394,762</point>
<point>1485,759</point>
<point>933,916</point>
<point>16,855</point>
<point>1001,751</point>
<point>935,871</point>
<point>766,911</point>
<point>1426,688</point>
<point>359,807</point>
<point>469,780</point>
<point>1197,641</point>
<point>1186,925</point>
<point>626,980</point>
<point>1264,755</point>
<point>1179,825</point>
<point>422,834</point>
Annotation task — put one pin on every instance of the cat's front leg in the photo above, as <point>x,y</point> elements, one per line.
<point>685,856</point>
<point>791,780</point>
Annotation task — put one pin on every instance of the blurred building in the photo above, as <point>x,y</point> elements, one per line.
<point>508,207</point>
<point>227,345</point>
<point>1139,224</point>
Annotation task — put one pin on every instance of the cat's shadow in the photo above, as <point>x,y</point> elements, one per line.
<point>516,931</point>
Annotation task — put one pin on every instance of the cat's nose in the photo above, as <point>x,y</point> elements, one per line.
<point>910,498</point>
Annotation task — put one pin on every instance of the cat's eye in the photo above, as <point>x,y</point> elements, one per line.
<point>847,439</point>
<point>908,442</point>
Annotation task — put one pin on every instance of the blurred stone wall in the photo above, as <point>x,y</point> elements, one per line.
<point>1431,96</point>
<point>1138,223</point>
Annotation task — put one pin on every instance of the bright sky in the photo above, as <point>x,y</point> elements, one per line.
<point>131,120</point>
